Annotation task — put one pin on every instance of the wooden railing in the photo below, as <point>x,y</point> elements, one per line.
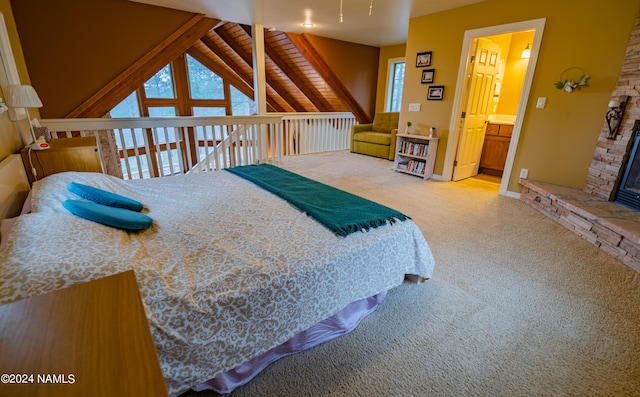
<point>317,132</point>
<point>137,148</point>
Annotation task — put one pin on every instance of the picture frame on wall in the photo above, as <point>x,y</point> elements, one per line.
<point>435,93</point>
<point>428,76</point>
<point>423,59</point>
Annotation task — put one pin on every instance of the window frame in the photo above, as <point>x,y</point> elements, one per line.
<point>391,65</point>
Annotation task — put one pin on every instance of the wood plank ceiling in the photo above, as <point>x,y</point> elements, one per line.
<point>297,78</point>
<point>293,83</point>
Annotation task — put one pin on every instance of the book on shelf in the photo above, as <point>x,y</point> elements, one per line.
<point>414,148</point>
<point>415,166</point>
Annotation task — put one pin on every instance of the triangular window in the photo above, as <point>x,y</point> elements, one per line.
<point>185,87</point>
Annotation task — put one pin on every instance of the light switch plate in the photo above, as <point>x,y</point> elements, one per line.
<point>414,107</point>
<point>542,101</point>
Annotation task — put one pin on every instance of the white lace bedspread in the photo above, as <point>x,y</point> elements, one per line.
<point>226,272</point>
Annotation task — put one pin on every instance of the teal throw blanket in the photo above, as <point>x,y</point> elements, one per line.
<point>342,212</point>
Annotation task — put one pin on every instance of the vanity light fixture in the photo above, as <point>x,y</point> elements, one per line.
<point>526,53</point>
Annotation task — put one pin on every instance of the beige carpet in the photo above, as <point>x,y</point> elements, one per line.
<point>518,305</point>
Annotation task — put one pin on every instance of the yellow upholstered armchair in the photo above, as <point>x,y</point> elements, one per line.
<point>378,138</point>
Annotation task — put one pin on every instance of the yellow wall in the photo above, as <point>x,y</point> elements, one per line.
<point>10,138</point>
<point>514,73</point>
<point>386,53</point>
<point>556,143</point>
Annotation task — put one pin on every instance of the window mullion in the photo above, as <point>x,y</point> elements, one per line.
<point>181,85</point>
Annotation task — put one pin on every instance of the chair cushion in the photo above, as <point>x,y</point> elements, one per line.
<point>379,138</point>
<point>111,216</point>
<point>103,197</point>
<point>385,121</point>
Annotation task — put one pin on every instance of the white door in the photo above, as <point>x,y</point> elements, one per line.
<point>481,86</point>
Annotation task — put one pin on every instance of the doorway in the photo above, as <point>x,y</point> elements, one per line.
<point>484,100</point>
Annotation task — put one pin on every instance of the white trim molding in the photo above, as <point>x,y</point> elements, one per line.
<point>454,126</point>
<point>10,69</point>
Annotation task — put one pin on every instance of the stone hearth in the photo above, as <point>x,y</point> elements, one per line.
<point>590,212</point>
<point>612,227</point>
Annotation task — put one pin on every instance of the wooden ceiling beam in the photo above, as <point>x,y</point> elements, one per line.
<point>283,91</point>
<point>321,66</point>
<point>232,64</point>
<point>304,85</point>
<point>133,77</point>
<point>233,44</point>
<point>218,68</point>
<point>227,60</point>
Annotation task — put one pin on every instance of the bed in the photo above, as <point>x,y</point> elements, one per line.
<point>228,272</point>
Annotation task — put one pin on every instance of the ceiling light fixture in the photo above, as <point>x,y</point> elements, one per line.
<point>307,18</point>
<point>342,15</point>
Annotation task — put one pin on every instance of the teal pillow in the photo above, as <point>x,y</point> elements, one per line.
<point>111,216</point>
<point>103,197</point>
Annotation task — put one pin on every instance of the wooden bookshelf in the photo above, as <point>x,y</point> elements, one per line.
<point>415,155</point>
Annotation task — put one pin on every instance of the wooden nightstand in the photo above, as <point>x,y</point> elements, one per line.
<point>65,154</point>
<point>90,339</point>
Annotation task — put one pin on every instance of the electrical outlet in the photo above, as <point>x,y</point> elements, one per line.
<point>414,107</point>
<point>524,173</point>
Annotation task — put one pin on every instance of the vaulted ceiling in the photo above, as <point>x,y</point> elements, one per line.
<point>297,78</point>
<point>293,84</point>
<point>370,22</point>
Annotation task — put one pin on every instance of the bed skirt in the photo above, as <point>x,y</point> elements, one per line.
<point>339,324</point>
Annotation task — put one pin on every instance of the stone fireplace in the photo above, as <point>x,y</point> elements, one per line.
<point>610,154</point>
<point>628,190</point>
<point>602,213</point>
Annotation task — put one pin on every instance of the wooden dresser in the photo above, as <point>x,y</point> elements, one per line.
<point>65,154</point>
<point>495,148</point>
<point>90,339</point>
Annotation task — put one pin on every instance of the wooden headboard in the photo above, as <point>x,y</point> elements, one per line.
<point>14,186</point>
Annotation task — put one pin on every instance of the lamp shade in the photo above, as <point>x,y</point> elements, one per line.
<point>23,96</point>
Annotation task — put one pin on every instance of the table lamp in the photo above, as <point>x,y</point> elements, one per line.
<point>24,96</point>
